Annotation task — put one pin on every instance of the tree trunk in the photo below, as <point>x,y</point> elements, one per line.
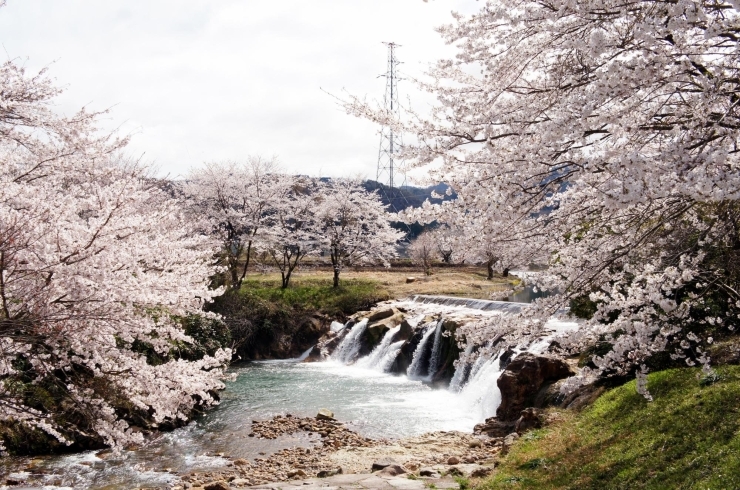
<point>285,271</point>
<point>427,267</point>
<point>336,260</point>
<point>489,266</point>
<point>233,265</point>
<point>296,256</point>
<point>246,265</point>
<point>5,310</point>
<point>506,272</point>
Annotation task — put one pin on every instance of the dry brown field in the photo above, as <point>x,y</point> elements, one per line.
<point>469,282</point>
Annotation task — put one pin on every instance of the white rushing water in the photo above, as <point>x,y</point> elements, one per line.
<point>468,303</point>
<point>474,383</point>
<point>347,351</point>
<point>436,352</point>
<point>384,352</point>
<point>462,372</point>
<point>414,370</point>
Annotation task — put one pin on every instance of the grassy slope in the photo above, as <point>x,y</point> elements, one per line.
<point>689,437</point>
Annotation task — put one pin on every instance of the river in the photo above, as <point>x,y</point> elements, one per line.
<point>370,401</point>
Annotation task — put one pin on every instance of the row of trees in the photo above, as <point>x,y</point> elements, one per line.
<point>599,137</point>
<point>450,244</point>
<point>255,208</point>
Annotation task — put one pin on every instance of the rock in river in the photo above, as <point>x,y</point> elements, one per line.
<point>325,414</point>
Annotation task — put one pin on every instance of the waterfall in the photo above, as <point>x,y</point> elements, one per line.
<point>474,381</point>
<point>384,352</point>
<point>436,351</point>
<point>386,362</point>
<point>305,354</point>
<point>350,346</point>
<point>481,391</point>
<point>473,304</point>
<point>336,327</point>
<point>414,370</point>
<point>462,370</point>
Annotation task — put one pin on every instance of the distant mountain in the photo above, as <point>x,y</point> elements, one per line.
<point>400,198</point>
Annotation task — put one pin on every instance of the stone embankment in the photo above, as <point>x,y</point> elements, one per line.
<point>347,459</point>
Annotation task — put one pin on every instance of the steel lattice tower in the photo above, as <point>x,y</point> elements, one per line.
<point>391,142</point>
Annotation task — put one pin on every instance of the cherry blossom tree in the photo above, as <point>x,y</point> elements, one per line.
<point>293,230</point>
<point>97,264</point>
<point>234,201</point>
<point>606,133</point>
<point>449,246</point>
<point>422,251</point>
<point>355,226</point>
<point>472,229</point>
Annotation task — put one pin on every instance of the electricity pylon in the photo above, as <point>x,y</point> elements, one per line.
<point>391,142</point>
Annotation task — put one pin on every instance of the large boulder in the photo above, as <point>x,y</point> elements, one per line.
<point>406,332</point>
<point>523,379</point>
<point>494,427</point>
<point>377,329</point>
<point>330,341</point>
<point>376,316</point>
<point>288,340</point>
<point>449,353</point>
<point>582,397</point>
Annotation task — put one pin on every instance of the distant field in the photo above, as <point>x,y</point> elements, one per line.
<point>452,281</point>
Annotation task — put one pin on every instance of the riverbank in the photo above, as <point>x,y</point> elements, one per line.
<point>243,443</point>
<point>343,451</point>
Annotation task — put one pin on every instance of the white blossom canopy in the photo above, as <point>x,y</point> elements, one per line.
<point>94,258</point>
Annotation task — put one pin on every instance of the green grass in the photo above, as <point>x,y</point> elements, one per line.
<point>463,482</point>
<point>688,438</point>
<point>317,294</point>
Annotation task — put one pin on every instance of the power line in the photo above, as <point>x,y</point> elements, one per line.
<point>391,142</point>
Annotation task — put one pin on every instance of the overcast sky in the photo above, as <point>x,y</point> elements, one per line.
<point>201,80</point>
